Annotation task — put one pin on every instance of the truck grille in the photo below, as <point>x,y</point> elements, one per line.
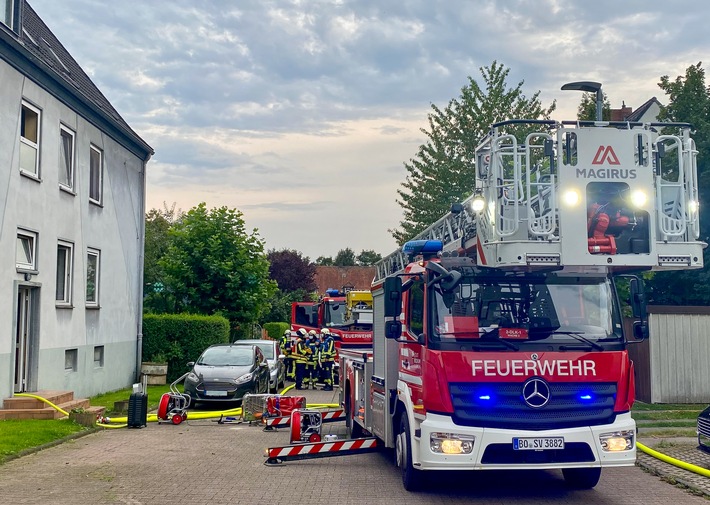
<point>501,405</point>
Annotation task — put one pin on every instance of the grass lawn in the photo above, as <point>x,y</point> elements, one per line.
<point>108,399</point>
<point>18,435</point>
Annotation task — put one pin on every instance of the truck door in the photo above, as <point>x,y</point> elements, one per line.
<point>304,314</point>
<point>411,351</point>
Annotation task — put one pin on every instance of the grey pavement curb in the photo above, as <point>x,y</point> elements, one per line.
<point>670,478</point>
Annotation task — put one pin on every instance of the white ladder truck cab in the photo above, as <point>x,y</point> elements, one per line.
<point>498,340</point>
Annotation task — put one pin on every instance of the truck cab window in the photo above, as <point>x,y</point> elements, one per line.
<point>416,308</point>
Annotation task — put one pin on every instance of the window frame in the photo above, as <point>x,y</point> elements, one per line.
<point>97,278</point>
<point>71,357</point>
<point>62,161</point>
<point>67,275</point>
<point>99,174</point>
<point>102,353</point>
<point>9,17</point>
<point>33,237</point>
<point>29,143</point>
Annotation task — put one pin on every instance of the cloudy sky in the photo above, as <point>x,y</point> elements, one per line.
<point>301,113</point>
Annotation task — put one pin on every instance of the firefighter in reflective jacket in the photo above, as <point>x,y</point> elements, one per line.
<point>312,367</point>
<point>286,349</point>
<point>300,357</point>
<point>327,358</point>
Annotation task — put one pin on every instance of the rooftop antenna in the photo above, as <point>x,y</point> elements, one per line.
<point>589,87</point>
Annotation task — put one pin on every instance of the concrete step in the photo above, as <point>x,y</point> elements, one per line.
<point>25,402</point>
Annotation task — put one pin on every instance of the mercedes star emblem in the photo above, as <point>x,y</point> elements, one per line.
<point>536,392</point>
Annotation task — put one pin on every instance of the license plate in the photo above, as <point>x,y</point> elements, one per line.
<point>215,393</point>
<point>538,443</point>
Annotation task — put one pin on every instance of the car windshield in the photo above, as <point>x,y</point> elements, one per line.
<point>227,356</point>
<point>266,346</point>
<point>551,310</point>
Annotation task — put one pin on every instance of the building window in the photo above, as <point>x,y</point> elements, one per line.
<point>29,139</point>
<point>66,158</point>
<point>71,360</point>
<point>65,263</point>
<point>93,266</point>
<point>8,12</point>
<point>26,252</point>
<point>99,356</point>
<point>96,175</point>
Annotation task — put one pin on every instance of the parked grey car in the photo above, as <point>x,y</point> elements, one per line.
<point>272,353</point>
<point>226,372</point>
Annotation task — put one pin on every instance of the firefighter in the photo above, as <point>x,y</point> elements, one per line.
<point>287,349</point>
<point>327,358</point>
<point>300,357</point>
<point>312,367</point>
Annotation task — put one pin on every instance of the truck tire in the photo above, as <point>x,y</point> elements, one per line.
<point>582,478</point>
<point>412,479</point>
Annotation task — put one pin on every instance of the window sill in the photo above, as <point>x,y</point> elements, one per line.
<point>93,307</point>
<point>67,190</point>
<point>96,204</point>
<point>30,175</point>
<point>63,306</point>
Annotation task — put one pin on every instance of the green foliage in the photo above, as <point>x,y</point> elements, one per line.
<point>157,229</point>
<point>213,266</point>
<point>345,258</point>
<point>689,101</point>
<point>108,399</point>
<point>281,304</point>
<point>324,261</point>
<point>442,171</point>
<point>276,330</point>
<point>368,258</point>
<point>181,338</point>
<point>587,110</point>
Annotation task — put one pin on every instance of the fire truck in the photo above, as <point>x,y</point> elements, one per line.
<point>499,339</point>
<point>346,313</point>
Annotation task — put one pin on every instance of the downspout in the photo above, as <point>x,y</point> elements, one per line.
<point>141,265</point>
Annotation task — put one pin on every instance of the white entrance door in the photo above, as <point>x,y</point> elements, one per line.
<point>22,338</point>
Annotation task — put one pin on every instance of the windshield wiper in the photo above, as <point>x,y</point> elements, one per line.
<point>579,336</point>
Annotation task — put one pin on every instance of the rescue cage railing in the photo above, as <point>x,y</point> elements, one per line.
<point>676,200</point>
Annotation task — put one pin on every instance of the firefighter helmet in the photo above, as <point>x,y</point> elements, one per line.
<point>287,333</point>
<point>302,332</point>
<point>312,333</point>
<point>325,331</point>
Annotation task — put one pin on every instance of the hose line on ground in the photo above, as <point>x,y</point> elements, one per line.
<point>676,462</point>
<point>28,395</point>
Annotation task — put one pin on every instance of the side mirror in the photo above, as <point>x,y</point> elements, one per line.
<point>393,297</point>
<point>263,364</point>
<point>640,330</point>
<point>638,299</point>
<point>190,364</point>
<point>282,357</point>
<point>393,329</point>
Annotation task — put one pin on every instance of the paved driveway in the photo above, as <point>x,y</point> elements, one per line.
<point>202,462</point>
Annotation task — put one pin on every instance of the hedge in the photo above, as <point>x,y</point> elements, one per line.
<point>276,330</point>
<point>179,338</point>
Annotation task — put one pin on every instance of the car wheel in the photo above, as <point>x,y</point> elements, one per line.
<point>412,479</point>
<point>582,478</point>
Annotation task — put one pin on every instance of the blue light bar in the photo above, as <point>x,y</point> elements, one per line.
<point>332,292</point>
<point>415,247</point>
<point>585,397</point>
<point>484,397</point>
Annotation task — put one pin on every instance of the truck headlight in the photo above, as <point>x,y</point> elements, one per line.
<point>451,443</point>
<point>617,441</point>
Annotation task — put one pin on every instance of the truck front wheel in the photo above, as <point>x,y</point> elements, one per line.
<point>582,478</point>
<point>412,479</point>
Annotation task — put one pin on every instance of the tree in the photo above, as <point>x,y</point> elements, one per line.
<point>157,239</point>
<point>587,110</point>
<point>442,171</point>
<point>689,102</point>
<point>345,258</point>
<point>291,270</point>
<point>213,266</point>
<point>324,261</point>
<point>368,258</point>
<point>281,301</point>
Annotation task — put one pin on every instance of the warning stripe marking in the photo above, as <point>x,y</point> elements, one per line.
<point>321,447</point>
<point>331,415</point>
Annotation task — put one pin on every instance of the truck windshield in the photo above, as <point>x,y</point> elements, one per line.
<point>334,313</point>
<point>557,311</point>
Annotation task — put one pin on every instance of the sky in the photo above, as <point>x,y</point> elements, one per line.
<point>302,113</point>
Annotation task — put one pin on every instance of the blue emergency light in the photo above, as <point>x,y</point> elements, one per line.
<point>416,247</point>
<point>332,292</point>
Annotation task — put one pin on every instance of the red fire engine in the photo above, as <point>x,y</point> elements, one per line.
<point>498,337</point>
<point>347,314</point>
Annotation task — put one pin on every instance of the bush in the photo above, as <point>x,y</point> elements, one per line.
<point>179,338</point>
<point>276,330</point>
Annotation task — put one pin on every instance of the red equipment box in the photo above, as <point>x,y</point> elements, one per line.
<point>283,405</point>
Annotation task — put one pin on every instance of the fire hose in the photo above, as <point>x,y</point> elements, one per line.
<point>673,461</point>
